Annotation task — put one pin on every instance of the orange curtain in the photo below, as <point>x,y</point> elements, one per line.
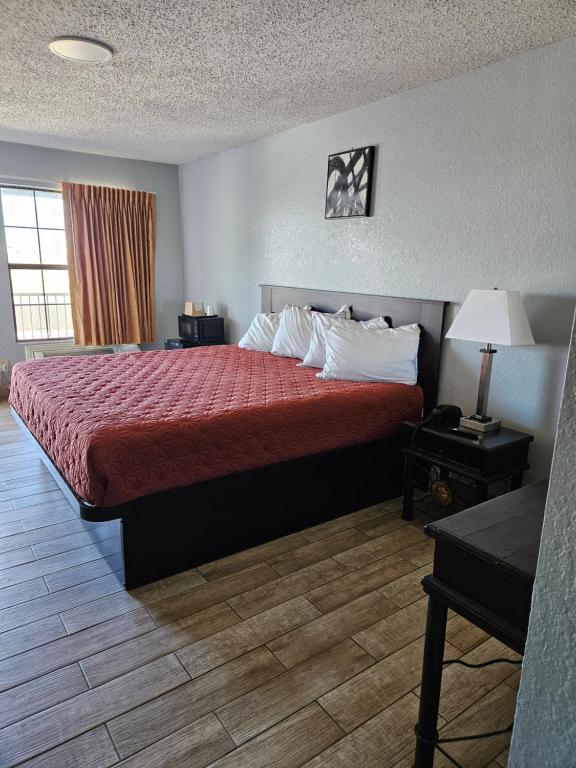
<point>111,243</point>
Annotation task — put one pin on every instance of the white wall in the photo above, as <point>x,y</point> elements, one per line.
<point>475,187</point>
<point>25,163</point>
<point>545,722</point>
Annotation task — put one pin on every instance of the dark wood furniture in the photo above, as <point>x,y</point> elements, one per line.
<point>484,567</point>
<point>202,331</point>
<point>438,459</point>
<point>176,530</point>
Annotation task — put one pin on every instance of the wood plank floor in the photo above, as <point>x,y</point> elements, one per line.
<point>305,651</point>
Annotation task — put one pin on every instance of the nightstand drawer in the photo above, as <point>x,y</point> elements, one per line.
<point>473,454</point>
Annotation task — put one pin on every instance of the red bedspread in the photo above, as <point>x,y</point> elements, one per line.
<point>120,427</point>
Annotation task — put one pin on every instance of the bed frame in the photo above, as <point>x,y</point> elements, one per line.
<point>172,531</point>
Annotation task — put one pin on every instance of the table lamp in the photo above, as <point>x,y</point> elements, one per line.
<point>491,317</point>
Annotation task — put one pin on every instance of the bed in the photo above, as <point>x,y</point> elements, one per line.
<point>207,451</point>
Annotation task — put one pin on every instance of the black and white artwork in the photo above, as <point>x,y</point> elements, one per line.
<point>349,183</point>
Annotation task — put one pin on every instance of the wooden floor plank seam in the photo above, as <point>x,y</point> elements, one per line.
<point>294,714</point>
<point>24,612</point>
<point>156,625</point>
<point>267,646</point>
<point>38,662</point>
<point>223,726</point>
<point>232,609</point>
<point>90,540</point>
<point>107,727</point>
<point>350,735</point>
<point>83,674</point>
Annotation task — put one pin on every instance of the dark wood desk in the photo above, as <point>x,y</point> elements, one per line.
<point>484,567</point>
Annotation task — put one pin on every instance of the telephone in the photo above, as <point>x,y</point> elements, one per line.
<point>441,414</point>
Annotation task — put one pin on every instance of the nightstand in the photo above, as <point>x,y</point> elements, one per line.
<point>450,472</point>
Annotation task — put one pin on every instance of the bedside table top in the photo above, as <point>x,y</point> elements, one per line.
<point>486,441</point>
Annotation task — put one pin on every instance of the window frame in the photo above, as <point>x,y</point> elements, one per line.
<point>29,266</point>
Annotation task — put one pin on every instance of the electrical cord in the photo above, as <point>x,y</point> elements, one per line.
<point>418,427</point>
<point>436,742</point>
<point>453,739</point>
<point>449,757</point>
<point>474,736</point>
<point>482,664</point>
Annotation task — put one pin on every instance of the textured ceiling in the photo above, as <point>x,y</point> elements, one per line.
<point>192,78</point>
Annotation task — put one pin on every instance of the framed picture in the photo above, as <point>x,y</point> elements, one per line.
<point>349,183</point>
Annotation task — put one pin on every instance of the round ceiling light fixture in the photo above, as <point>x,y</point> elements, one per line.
<point>81,49</point>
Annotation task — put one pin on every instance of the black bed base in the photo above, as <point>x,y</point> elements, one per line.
<point>173,531</point>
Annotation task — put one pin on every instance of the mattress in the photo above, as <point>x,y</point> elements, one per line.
<point>119,427</point>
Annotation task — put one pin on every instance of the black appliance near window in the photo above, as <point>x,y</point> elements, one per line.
<point>197,332</point>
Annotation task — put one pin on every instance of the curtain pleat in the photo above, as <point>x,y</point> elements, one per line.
<point>111,243</point>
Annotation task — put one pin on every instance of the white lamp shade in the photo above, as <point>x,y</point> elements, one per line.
<point>492,317</point>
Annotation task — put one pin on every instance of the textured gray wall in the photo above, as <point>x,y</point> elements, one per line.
<point>474,188</point>
<point>24,164</point>
<point>545,724</point>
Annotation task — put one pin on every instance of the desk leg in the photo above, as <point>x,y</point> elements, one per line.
<point>408,489</point>
<point>427,726</point>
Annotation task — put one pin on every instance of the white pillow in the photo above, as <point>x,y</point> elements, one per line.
<point>364,354</point>
<point>295,331</point>
<point>260,335</point>
<point>344,312</point>
<point>316,355</point>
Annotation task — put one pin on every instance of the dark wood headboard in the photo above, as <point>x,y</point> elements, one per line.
<point>428,314</point>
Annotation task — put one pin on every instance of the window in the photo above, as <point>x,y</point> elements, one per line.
<point>33,229</point>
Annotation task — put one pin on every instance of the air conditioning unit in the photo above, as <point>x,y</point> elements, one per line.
<point>56,348</point>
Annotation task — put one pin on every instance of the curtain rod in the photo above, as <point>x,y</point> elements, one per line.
<point>56,186</point>
<point>11,181</point>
